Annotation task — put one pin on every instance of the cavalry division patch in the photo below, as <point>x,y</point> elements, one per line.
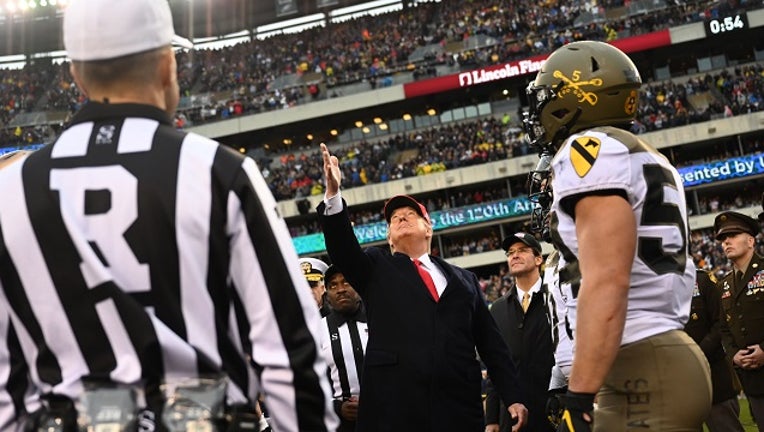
<point>583,153</point>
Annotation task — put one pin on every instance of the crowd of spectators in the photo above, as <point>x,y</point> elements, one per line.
<point>420,152</point>
<point>370,50</point>
<point>362,49</point>
<point>309,168</point>
<point>453,145</point>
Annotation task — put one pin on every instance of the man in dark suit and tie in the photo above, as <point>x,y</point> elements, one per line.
<point>426,319</point>
<point>522,317</point>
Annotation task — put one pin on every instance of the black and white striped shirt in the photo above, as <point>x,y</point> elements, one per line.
<point>14,377</point>
<point>343,344</point>
<point>135,252</point>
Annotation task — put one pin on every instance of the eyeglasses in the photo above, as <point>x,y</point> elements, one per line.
<point>523,250</point>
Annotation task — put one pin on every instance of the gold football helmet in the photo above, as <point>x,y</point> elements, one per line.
<point>581,85</point>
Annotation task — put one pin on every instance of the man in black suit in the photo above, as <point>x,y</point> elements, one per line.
<point>522,318</point>
<point>426,320</point>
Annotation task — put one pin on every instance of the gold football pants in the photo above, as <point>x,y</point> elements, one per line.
<point>662,383</point>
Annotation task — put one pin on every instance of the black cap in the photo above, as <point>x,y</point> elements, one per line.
<point>331,271</point>
<point>524,238</point>
<point>730,222</point>
<point>399,201</point>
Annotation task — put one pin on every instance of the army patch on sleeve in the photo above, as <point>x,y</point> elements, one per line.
<point>583,153</point>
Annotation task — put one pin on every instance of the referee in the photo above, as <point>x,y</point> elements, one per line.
<point>137,254</point>
<point>343,345</point>
<point>13,368</point>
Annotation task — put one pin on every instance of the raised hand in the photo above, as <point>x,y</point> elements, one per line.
<point>332,172</point>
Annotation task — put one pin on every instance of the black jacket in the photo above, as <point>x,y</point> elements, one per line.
<point>529,338</point>
<point>421,371</point>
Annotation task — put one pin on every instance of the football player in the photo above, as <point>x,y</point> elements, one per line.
<point>618,217</point>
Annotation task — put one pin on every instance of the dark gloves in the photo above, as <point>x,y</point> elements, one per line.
<point>554,406</point>
<point>577,412</point>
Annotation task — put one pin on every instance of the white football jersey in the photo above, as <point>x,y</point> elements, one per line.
<point>560,325</point>
<point>610,160</point>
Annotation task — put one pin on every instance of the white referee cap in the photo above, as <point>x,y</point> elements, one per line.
<point>313,269</point>
<point>108,29</point>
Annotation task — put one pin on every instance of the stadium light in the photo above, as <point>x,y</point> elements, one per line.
<point>358,124</point>
<point>23,5</point>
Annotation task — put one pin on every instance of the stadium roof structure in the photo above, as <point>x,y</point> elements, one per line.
<point>34,26</point>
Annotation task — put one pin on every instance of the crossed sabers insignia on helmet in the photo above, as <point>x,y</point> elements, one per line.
<point>575,87</point>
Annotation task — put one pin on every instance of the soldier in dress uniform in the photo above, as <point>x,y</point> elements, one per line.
<point>742,308</point>
<point>703,328</point>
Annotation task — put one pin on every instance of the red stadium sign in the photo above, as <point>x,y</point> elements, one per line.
<point>474,77</point>
<point>520,67</point>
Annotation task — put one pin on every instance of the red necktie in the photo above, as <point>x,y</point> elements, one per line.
<point>427,279</point>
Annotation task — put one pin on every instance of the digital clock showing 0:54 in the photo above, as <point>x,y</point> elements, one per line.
<point>727,24</point>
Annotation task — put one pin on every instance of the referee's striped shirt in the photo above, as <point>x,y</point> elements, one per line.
<point>138,253</point>
<point>343,344</point>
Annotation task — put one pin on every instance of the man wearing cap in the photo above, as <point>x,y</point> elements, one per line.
<point>136,254</point>
<point>313,269</point>
<point>426,317</point>
<point>742,297</point>
<point>343,345</point>
<point>521,316</point>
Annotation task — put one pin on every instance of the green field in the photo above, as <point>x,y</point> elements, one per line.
<point>745,417</point>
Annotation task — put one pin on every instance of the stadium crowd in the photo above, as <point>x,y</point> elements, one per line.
<point>448,146</point>
<point>708,201</point>
<point>236,80</point>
